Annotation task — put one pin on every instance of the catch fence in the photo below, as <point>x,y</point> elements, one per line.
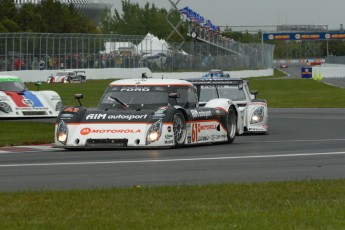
<point>23,51</point>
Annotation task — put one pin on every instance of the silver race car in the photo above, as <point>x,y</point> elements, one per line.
<point>147,113</point>
<point>253,111</point>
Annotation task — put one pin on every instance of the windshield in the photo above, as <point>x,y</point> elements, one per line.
<point>134,96</point>
<point>221,91</point>
<point>13,86</point>
<point>60,74</point>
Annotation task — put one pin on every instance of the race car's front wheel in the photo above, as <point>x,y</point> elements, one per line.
<point>179,129</point>
<point>231,125</point>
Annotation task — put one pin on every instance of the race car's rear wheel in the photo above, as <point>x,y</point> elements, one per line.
<point>179,128</point>
<point>231,125</point>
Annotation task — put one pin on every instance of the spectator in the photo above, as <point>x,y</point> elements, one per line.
<point>22,64</point>
<point>42,64</point>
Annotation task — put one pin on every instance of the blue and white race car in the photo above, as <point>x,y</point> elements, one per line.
<point>16,101</point>
<point>148,113</point>
<point>253,111</point>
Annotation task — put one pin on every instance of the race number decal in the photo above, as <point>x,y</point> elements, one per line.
<point>195,132</point>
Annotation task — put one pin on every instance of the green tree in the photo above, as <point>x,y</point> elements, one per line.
<point>106,22</point>
<point>29,19</point>
<point>8,16</point>
<point>134,20</point>
<point>243,37</point>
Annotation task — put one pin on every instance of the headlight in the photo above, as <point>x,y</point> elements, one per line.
<point>62,132</point>
<point>258,115</point>
<point>4,107</point>
<point>154,132</point>
<point>58,106</point>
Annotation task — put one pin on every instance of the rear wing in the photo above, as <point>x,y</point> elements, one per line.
<point>201,81</point>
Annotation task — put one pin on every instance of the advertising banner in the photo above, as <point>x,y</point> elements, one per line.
<point>307,72</point>
<point>304,36</point>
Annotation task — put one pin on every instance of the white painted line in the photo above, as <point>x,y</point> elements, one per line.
<point>170,160</point>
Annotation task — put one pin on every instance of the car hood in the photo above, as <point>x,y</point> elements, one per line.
<point>25,99</point>
<point>81,114</point>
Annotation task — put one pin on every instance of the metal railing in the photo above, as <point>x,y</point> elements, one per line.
<point>22,51</point>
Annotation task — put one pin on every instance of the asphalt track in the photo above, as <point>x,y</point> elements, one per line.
<point>302,144</point>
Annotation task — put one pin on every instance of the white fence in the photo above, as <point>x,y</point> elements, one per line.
<point>329,71</point>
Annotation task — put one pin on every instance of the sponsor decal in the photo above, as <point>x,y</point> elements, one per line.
<point>197,128</point>
<point>99,116</point>
<point>256,129</point>
<point>71,110</point>
<point>30,108</point>
<point>258,103</point>
<point>135,89</point>
<point>158,116</point>
<point>194,113</point>
<point>168,136</point>
<point>67,115</point>
<point>206,127</point>
<point>28,102</point>
<point>169,142</point>
<point>205,113</point>
<point>159,89</point>
<point>161,110</point>
<point>87,131</point>
<point>55,98</point>
<point>169,129</point>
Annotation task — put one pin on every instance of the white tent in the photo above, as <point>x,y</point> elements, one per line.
<point>153,45</point>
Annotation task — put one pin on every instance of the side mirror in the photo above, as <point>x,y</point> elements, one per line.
<point>202,103</point>
<point>78,97</point>
<point>254,94</point>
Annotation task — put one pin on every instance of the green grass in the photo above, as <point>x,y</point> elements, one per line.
<point>298,93</point>
<point>273,205</point>
<point>92,91</point>
<point>23,133</point>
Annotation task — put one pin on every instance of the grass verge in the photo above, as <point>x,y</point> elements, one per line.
<point>273,205</point>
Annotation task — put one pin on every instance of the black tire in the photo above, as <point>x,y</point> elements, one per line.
<point>231,125</point>
<point>179,129</point>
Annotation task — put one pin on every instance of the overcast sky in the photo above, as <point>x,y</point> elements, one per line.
<point>259,12</point>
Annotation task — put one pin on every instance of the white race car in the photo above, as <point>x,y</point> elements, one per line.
<point>67,76</point>
<point>16,101</point>
<point>147,113</point>
<point>253,111</point>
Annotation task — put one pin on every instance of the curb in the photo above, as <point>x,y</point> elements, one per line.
<point>25,148</point>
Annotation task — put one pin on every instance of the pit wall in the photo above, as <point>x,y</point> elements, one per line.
<point>110,73</point>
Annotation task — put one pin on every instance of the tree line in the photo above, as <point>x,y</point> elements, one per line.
<point>51,16</point>
<point>47,16</point>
